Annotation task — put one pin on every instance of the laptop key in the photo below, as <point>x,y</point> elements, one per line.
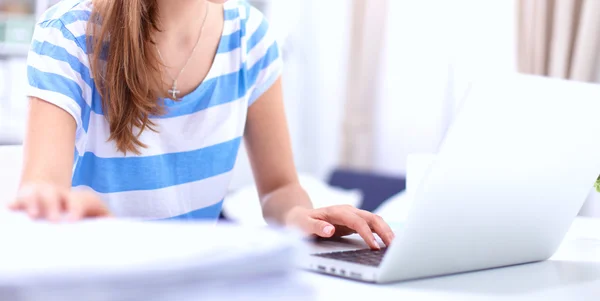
<point>364,256</point>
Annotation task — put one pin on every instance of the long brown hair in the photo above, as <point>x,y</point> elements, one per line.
<point>125,67</point>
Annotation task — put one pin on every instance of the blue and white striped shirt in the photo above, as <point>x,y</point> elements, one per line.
<point>185,171</point>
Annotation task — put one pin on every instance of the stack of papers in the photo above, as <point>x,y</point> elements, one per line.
<point>133,260</point>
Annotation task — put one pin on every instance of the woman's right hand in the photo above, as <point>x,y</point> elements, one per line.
<point>46,201</point>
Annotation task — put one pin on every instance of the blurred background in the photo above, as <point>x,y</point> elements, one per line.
<point>368,82</point>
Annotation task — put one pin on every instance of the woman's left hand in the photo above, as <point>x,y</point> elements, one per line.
<point>342,220</point>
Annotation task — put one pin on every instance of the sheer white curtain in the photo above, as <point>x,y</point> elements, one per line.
<point>366,44</point>
<point>597,79</point>
<point>560,38</point>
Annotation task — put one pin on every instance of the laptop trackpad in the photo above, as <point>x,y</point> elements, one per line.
<point>347,243</point>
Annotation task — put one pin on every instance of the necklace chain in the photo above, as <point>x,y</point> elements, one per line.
<point>173,92</point>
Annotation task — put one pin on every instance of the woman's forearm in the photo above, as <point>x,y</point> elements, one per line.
<point>278,204</point>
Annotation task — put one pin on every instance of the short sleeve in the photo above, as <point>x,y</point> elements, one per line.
<point>263,55</point>
<point>57,70</point>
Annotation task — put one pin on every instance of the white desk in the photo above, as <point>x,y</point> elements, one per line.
<point>573,273</point>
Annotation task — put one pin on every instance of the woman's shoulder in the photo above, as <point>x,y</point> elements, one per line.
<point>63,24</point>
<point>70,14</point>
<point>241,10</point>
<point>250,23</point>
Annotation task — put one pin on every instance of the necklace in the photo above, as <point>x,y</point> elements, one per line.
<point>173,92</point>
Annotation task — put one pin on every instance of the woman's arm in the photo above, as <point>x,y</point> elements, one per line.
<point>45,188</point>
<point>270,152</point>
<point>49,145</point>
<point>282,198</point>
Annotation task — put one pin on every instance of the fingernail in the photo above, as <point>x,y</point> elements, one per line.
<point>376,244</point>
<point>328,230</point>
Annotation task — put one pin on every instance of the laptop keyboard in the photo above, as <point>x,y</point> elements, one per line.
<point>364,256</point>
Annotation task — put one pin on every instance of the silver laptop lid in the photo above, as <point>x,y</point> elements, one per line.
<point>512,173</point>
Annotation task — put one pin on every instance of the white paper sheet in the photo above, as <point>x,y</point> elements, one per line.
<point>136,257</point>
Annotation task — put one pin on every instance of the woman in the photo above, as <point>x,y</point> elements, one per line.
<point>155,96</point>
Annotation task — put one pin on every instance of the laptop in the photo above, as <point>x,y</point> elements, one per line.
<point>512,173</point>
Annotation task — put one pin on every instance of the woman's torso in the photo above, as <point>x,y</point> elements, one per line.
<point>186,167</point>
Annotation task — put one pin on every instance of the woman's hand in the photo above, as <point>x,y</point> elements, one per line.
<point>46,201</point>
<point>337,221</point>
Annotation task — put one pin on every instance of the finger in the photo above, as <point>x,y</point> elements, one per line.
<point>32,204</point>
<point>378,225</point>
<point>348,218</point>
<point>96,209</point>
<point>27,201</point>
<point>52,204</point>
<point>321,228</point>
<point>16,205</point>
<point>91,204</point>
<point>73,208</point>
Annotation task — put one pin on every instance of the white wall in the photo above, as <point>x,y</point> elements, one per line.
<point>13,103</point>
<point>434,49</point>
<point>10,171</point>
<point>316,58</point>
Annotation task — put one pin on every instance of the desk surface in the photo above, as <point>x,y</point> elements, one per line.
<point>573,273</point>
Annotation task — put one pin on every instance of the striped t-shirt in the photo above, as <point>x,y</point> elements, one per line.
<point>185,171</point>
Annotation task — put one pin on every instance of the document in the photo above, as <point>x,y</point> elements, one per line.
<point>114,259</point>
